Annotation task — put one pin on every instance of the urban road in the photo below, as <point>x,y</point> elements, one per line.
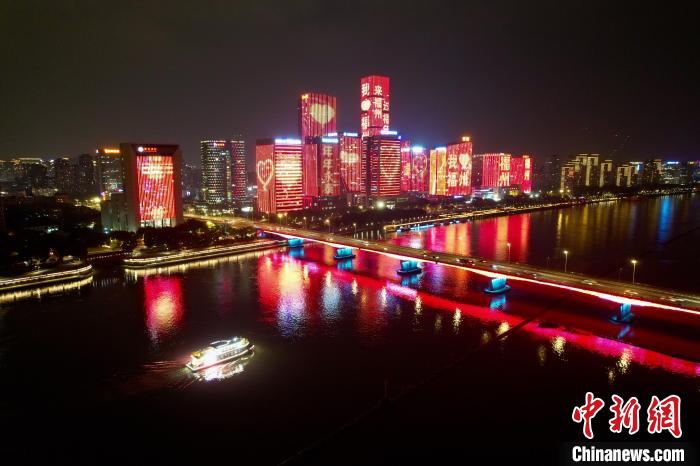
<point>616,291</point>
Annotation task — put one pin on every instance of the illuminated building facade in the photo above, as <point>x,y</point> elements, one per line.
<point>491,171</point>
<point>406,166</point>
<point>278,168</point>
<point>623,175</point>
<point>383,161</point>
<point>152,184</point>
<point>419,169</point>
<point>216,171</point>
<point>374,105</point>
<point>238,169</point>
<point>438,172</point>
<point>317,115</point>
<point>568,178</point>
<point>521,173</point>
<point>110,173</point>
<point>321,161</point>
<point>607,173</point>
<point>458,168</point>
<point>350,155</point>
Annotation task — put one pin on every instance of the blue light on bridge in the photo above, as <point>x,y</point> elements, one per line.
<point>343,254</point>
<point>498,285</point>
<point>409,268</point>
<point>295,242</point>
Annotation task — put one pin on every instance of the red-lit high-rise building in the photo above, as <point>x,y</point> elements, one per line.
<point>321,160</point>
<point>420,168</point>
<point>278,168</point>
<point>350,154</point>
<point>405,166</point>
<point>374,105</point>
<point>458,168</point>
<point>491,171</point>
<point>317,115</point>
<point>521,173</point>
<point>152,184</point>
<point>383,162</point>
<point>437,185</point>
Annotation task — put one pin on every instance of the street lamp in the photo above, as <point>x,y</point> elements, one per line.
<point>634,268</point>
<point>566,259</point>
<point>508,252</point>
<point>328,222</point>
<point>305,223</point>
<point>355,226</point>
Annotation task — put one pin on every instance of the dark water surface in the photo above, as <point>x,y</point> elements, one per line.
<point>97,374</point>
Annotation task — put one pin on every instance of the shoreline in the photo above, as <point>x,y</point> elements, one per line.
<point>13,284</point>
<point>191,256</point>
<point>445,219</point>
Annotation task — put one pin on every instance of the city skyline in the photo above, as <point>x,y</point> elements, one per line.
<point>515,91</point>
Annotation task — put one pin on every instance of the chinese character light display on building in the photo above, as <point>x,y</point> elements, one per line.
<point>458,173</point>
<point>321,161</point>
<point>521,173</point>
<point>278,169</point>
<point>374,105</point>
<point>152,184</point>
<point>317,115</point>
<point>491,171</point>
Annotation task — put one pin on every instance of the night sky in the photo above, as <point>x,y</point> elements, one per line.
<point>524,77</point>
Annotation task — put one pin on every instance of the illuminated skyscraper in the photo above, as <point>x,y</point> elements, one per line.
<point>419,169</point>
<point>321,160</point>
<point>414,168</point>
<point>405,166</point>
<point>374,105</point>
<point>238,168</point>
<point>216,171</point>
<point>152,184</point>
<point>383,155</point>
<point>491,171</point>
<point>278,167</point>
<point>458,168</point>
<point>438,172</point>
<point>521,173</point>
<point>317,115</point>
<point>607,174</point>
<point>110,174</point>
<point>350,152</point>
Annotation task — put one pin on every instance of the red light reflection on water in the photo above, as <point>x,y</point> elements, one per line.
<point>295,297</point>
<point>164,308</point>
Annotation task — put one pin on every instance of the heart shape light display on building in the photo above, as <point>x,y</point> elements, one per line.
<point>322,113</point>
<point>265,169</point>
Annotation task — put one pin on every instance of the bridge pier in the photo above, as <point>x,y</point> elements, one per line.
<point>295,242</point>
<point>623,315</point>
<point>343,254</point>
<point>498,286</point>
<point>409,268</point>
